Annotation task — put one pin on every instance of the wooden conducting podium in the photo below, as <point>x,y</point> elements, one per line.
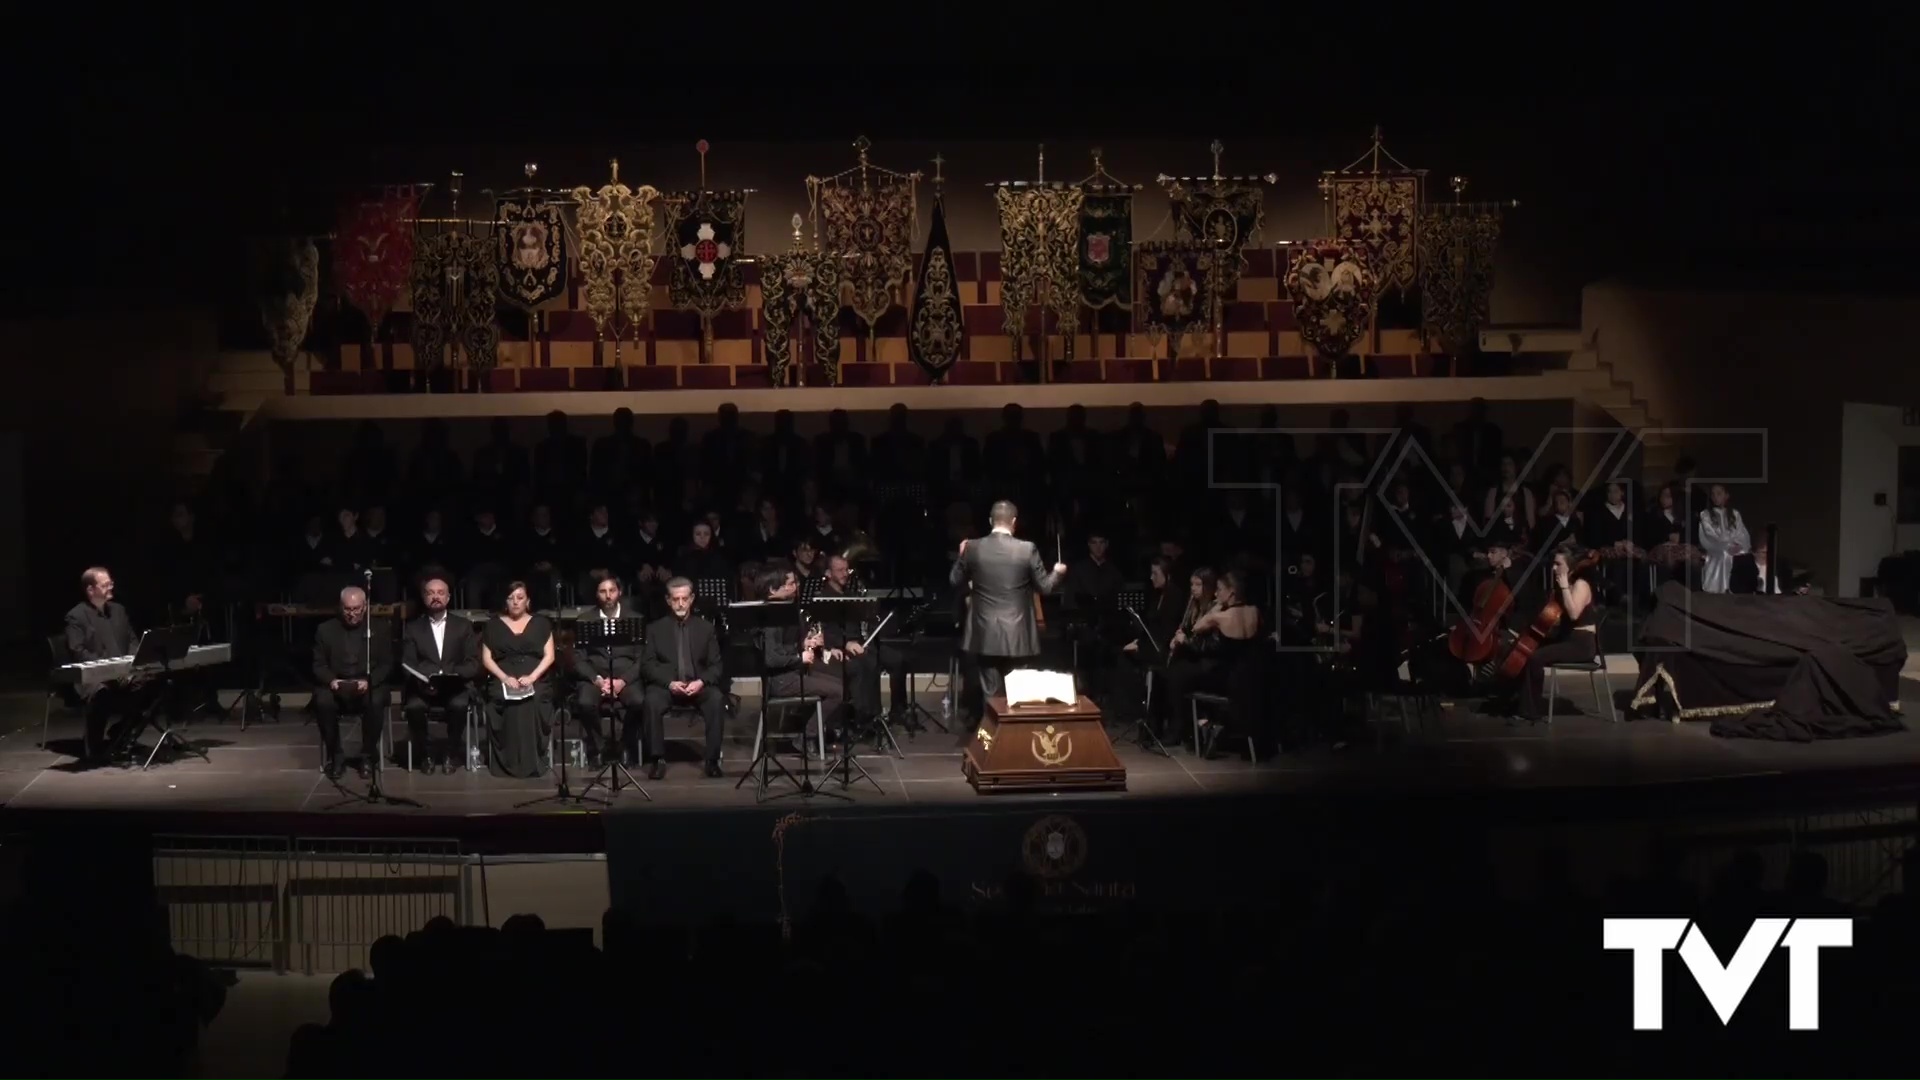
<point>1042,747</point>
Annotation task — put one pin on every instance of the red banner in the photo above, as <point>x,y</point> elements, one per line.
<point>373,250</point>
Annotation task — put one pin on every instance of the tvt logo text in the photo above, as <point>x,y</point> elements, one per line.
<point>1726,986</point>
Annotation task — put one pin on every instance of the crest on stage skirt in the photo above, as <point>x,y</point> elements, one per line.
<point>1173,286</point>
<point>530,250</point>
<point>1333,294</point>
<point>373,250</point>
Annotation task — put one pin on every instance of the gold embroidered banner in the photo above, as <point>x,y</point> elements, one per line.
<point>286,278</point>
<point>1457,246</point>
<point>1380,215</point>
<point>1223,214</point>
<point>709,232</point>
<point>1172,287</point>
<point>1039,256</point>
<point>456,283</point>
<point>866,215</point>
<point>532,252</point>
<point>1333,293</point>
<point>800,282</point>
<point>934,332</point>
<point>615,225</point>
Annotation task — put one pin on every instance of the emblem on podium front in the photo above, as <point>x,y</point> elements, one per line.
<point>1052,747</point>
<point>1055,847</point>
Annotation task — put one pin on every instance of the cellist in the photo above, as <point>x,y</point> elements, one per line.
<point>1576,640</point>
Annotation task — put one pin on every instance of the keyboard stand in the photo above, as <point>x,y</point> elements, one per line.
<point>155,721</point>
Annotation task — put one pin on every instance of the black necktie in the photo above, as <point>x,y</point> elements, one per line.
<point>685,658</point>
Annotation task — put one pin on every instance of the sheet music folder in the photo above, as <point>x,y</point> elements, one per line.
<point>1026,687</point>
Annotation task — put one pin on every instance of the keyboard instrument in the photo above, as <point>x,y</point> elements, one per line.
<point>90,672</point>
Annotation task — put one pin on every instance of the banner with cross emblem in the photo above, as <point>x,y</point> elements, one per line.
<point>708,230</point>
<point>1373,205</point>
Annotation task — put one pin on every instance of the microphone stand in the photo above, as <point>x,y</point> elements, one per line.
<point>378,758</point>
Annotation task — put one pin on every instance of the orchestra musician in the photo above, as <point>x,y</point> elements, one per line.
<point>863,663</point>
<point>799,664</point>
<point>1005,575</point>
<point>438,642</point>
<point>609,675</point>
<point>97,629</point>
<point>680,664</point>
<point>1575,641</point>
<point>350,671</point>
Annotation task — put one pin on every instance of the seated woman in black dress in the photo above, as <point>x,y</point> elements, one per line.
<point>1223,644</point>
<point>1575,641</point>
<point>516,649</point>
<point>795,664</point>
<point>1162,616</point>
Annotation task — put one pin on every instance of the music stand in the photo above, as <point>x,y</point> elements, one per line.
<point>771,615</point>
<point>714,594</point>
<point>914,716</point>
<point>1143,735</point>
<point>604,634</point>
<point>845,611</point>
<point>166,648</point>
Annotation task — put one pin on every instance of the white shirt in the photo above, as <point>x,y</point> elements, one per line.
<point>1002,529</point>
<point>438,624</point>
<point>599,531</point>
<point>1618,512</point>
<point>604,617</point>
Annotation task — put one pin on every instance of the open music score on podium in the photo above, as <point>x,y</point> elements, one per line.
<point>1042,736</point>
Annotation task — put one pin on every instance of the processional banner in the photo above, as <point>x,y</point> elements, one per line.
<point>1333,293</point>
<point>709,232</point>
<point>867,218</point>
<point>373,250</point>
<point>1379,214</point>
<point>615,226</point>
<point>531,250</point>
<point>1039,255</point>
<point>1224,215</point>
<point>799,282</point>
<point>1457,245</point>
<point>934,332</point>
<point>286,277</point>
<point>456,285</point>
<point>1106,249</point>
<point>1173,286</point>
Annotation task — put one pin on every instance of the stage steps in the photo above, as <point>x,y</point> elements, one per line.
<point>1598,384</point>
<point>240,383</point>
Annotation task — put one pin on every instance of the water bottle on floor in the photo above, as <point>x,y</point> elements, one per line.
<point>473,756</point>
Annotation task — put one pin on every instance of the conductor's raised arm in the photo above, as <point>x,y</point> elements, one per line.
<point>1043,579</point>
<point>958,572</point>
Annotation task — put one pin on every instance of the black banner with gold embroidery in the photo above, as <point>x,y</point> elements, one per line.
<point>1223,215</point>
<point>1457,246</point>
<point>934,332</point>
<point>1172,286</point>
<point>800,282</point>
<point>455,284</point>
<point>531,250</point>
<point>1106,246</point>
<point>709,228</point>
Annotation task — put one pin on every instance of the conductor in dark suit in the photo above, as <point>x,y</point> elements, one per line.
<point>97,629</point>
<point>608,675</point>
<point>1000,634</point>
<point>680,665</point>
<point>438,643</point>
<point>350,671</point>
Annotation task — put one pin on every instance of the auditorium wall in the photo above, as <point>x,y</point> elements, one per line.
<point>1754,385</point>
<point>1872,437</point>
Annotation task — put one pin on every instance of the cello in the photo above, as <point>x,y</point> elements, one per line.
<point>1546,622</point>
<point>1475,639</point>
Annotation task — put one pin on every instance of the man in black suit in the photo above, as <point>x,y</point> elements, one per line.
<point>680,664</point>
<point>350,672</point>
<point>1000,633</point>
<point>97,629</point>
<point>608,675</point>
<point>438,643</point>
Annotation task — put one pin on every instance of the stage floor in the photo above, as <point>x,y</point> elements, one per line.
<point>274,768</point>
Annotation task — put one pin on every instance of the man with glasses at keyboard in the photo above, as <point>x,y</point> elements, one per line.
<point>97,629</point>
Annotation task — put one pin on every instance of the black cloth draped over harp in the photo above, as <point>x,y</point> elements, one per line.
<point>1793,668</point>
